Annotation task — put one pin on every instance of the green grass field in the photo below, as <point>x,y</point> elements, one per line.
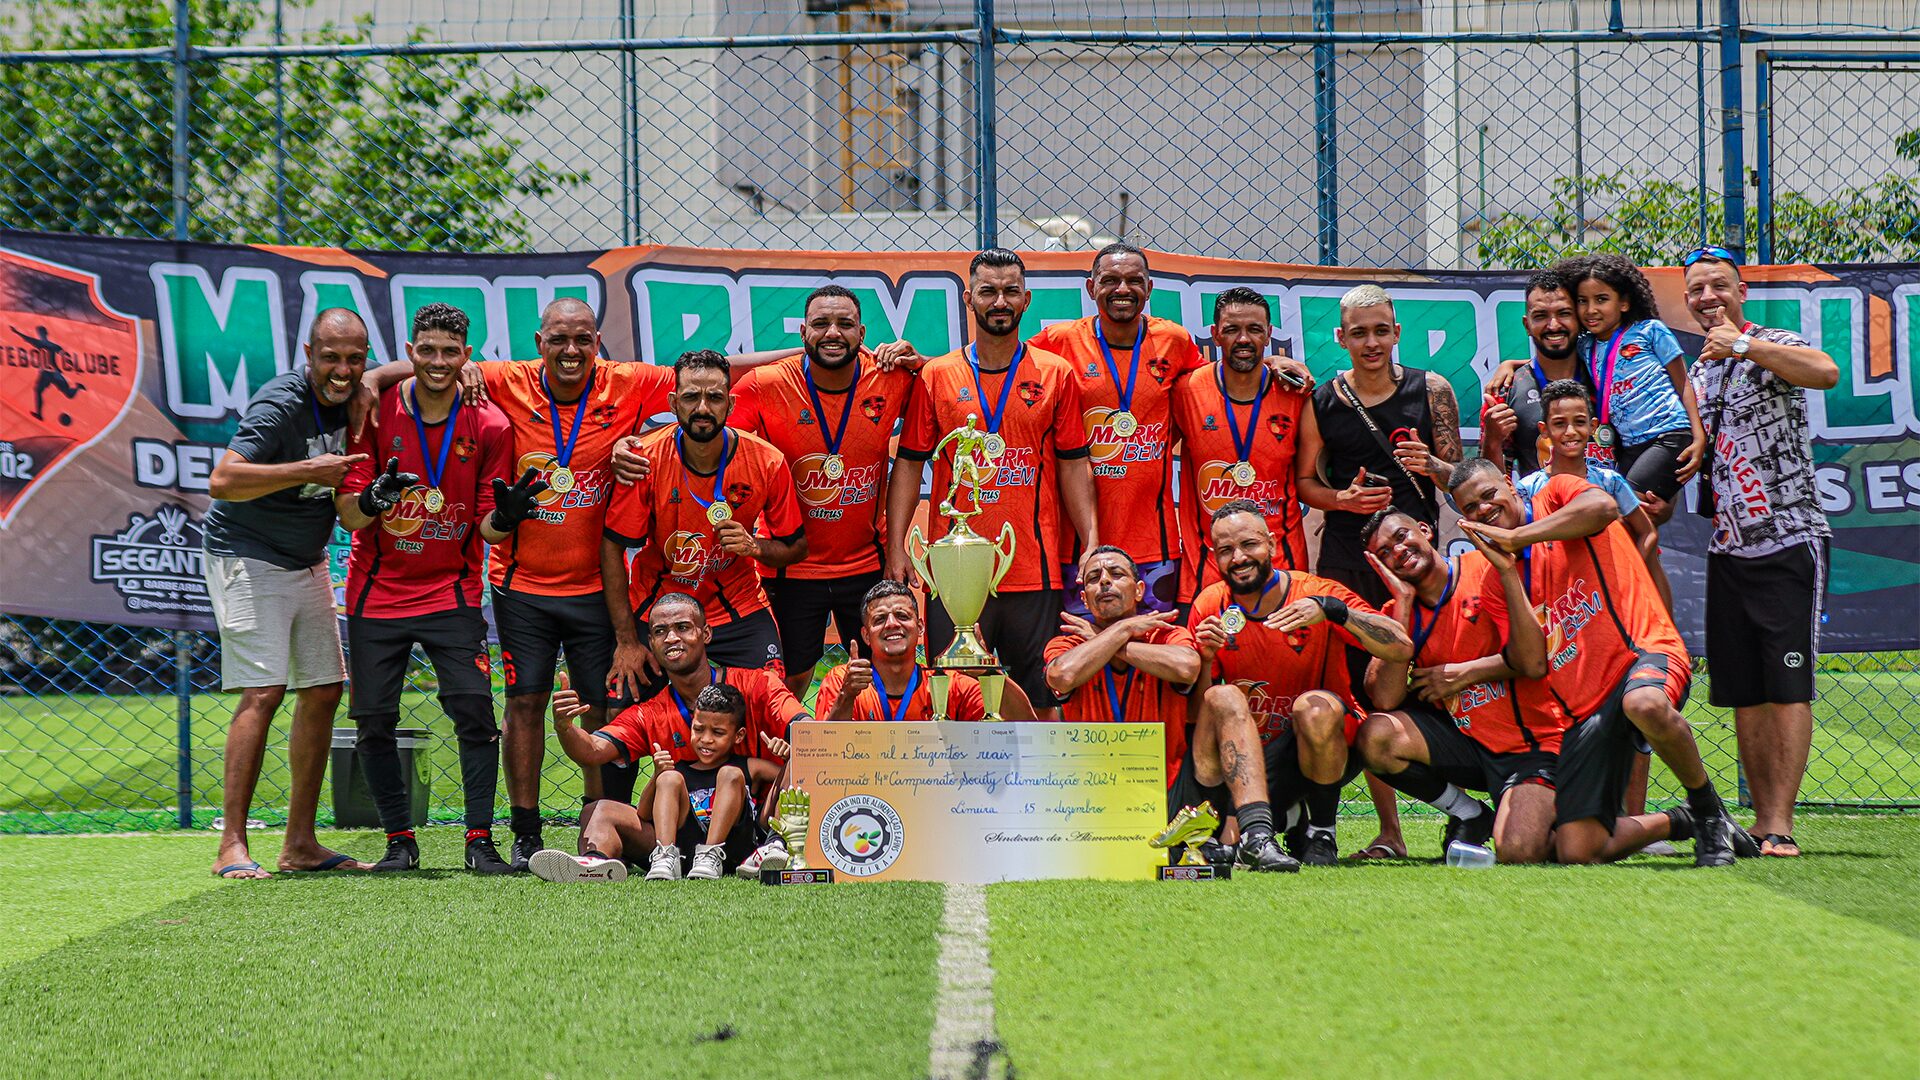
<point>98,763</point>
<point>124,957</point>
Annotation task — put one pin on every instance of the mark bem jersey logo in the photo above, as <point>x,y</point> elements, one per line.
<point>1112,454</point>
<point>411,525</point>
<point>69,367</point>
<point>589,487</point>
<point>691,556</point>
<point>826,499</point>
<point>1562,619</point>
<point>1217,489</point>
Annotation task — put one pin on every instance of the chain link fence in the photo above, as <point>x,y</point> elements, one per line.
<point>1447,134</point>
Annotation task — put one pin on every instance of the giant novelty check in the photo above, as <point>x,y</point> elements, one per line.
<point>982,802</point>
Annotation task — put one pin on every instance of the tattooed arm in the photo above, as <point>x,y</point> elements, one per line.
<point>1445,411</point>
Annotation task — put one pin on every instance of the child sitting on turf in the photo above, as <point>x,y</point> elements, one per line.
<point>702,812</point>
<point>1567,426</point>
<point>1647,413</point>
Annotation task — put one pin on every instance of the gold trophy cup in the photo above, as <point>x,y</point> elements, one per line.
<point>962,569</point>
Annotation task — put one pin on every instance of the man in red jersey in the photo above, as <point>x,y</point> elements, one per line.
<point>1239,428</point>
<point>1472,710</point>
<point>416,577</point>
<point>1277,636</point>
<point>831,411</point>
<point>1617,663</point>
<point>1028,402</point>
<point>888,683</point>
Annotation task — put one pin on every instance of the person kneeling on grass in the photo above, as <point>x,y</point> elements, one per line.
<point>702,802</point>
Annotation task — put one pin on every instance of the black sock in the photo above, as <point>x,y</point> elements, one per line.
<point>593,853</point>
<point>1417,780</point>
<point>1705,803</point>
<point>526,821</point>
<point>1255,815</point>
<point>1323,805</point>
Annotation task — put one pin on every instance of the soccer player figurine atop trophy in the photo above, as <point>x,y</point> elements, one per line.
<point>963,568</point>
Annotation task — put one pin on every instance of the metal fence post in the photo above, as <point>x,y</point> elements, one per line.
<point>1763,158</point>
<point>279,125</point>
<point>182,639</point>
<point>1732,131</point>
<point>986,208</point>
<point>1326,149</point>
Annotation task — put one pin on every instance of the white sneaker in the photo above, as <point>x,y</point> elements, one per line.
<point>558,866</point>
<point>1659,847</point>
<point>664,865</point>
<point>709,862</point>
<point>771,855</point>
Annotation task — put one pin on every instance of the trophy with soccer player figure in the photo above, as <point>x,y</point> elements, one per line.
<point>1188,830</point>
<point>963,568</point>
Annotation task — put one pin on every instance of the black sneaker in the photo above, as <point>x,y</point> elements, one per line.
<point>1476,830</point>
<point>1679,824</point>
<point>484,858</point>
<point>1319,850</point>
<point>402,854</point>
<point>1711,844</point>
<point>524,845</point>
<point>1297,839</point>
<point>1745,844</point>
<point>1258,851</point>
<point>1216,853</point>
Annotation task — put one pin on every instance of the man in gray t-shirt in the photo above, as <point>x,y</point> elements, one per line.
<point>1766,564</point>
<point>268,580</point>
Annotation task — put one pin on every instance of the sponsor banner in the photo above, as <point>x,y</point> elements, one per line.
<point>126,364</point>
<point>982,802</point>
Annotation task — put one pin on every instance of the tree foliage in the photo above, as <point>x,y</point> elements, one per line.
<point>381,152</point>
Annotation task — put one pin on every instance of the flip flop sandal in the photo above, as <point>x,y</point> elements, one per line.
<point>1378,851</point>
<point>331,864</point>
<point>240,866</point>
<point>1771,844</point>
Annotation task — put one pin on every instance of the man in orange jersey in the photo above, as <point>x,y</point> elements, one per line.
<point>693,518</point>
<point>831,411</point>
<point>1617,663</point>
<point>1028,402</point>
<point>1472,711</point>
<point>1276,636</point>
<point>1123,664</point>
<point>1239,427</point>
<point>888,684</point>
<point>678,638</point>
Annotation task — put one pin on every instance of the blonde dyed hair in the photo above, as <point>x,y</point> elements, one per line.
<point>1364,296</point>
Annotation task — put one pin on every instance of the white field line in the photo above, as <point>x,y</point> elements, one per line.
<point>963,1044</point>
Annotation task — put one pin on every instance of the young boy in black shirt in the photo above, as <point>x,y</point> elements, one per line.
<point>703,804</point>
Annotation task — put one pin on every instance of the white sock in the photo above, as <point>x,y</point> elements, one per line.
<point>1315,830</point>
<point>1459,804</point>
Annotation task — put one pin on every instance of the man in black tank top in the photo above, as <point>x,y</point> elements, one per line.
<point>1378,435</point>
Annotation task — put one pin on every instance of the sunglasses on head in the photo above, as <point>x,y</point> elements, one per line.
<point>1708,251</point>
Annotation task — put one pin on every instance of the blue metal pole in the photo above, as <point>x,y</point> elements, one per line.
<point>986,208</point>
<point>182,640</point>
<point>1732,131</point>
<point>1325,148</point>
<point>1763,155</point>
<point>1700,110</point>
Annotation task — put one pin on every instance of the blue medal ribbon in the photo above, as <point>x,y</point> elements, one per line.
<point>992,419</point>
<point>1420,635</point>
<point>686,711</point>
<point>563,453</point>
<point>888,711</point>
<point>820,411</point>
<point>1113,369</point>
<point>1117,698</point>
<point>1273,582</point>
<point>719,476</point>
<point>1242,448</point>
<point>1525,555</point>
<point>435,464</point>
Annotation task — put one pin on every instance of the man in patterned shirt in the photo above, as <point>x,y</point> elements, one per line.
<point>1766,565</point>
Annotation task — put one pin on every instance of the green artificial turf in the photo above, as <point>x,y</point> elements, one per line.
<point>1771,968</point>
<point>442,973</point>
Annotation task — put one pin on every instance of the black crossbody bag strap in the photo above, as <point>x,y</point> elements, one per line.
<point>1380,438</point>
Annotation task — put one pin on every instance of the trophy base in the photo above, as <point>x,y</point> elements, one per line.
<point>812,876</point>
<point>1195,873</point>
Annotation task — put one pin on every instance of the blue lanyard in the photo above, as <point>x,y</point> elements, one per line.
<point>1272,582</point>
<point>820,411</point>
<point>1603,384</point>
<point>719,476</point>
<point>1420,636</point>
<point>686,711</point>
<point>992,419</point>
<point>1242,447</point>
<point>1117,698</point>
<point>1525,555</point>
<point>1113,369</point>
<point>563,454</point>
<point>888,711</point>
<point>436,465</point>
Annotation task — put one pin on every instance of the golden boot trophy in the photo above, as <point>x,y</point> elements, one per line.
<point>962,569</point>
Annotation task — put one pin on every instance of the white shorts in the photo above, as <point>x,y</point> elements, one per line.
<point>277,627</point>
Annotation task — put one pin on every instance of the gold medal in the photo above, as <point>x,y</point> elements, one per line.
<point>835,468</point>
<point>560,479</point>
<point>1233,620</point>
<point>994,446</point>
<point>434,500</point>
<point>1603,434</point>
<point>1242,474</point>
<point>720,511</point>
<point>1125,424</point>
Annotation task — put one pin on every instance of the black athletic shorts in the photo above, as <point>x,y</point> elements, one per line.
<point>1652,465</point>
<point>1017,627</point>
<point>378,651</point>
<point>1186,790</point>
<point>741,839</point>
<point>1763,625</point>
<point>801,607</point>
<point>751,641</point>
<point>1597,754</point>
<point>1286,784</point>
<point>534,628</point>
<point>1463,762</point>
<point>1367,585</point>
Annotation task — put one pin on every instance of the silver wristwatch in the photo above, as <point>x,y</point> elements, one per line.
<point>1741,344</point>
